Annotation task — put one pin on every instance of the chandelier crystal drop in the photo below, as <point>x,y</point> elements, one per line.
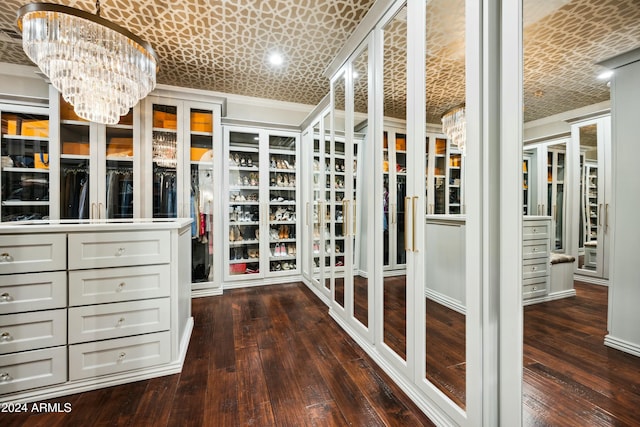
<point>454,125</point>
<point>100,68</point>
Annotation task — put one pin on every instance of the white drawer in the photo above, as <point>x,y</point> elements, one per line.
<point>30,292</point>
<point>536,287</point>
<point>98,322</point>
<point>119,284</point>
<point>28,253</point>
<point>536,267</point>
<point>112,356</point>
<point>535,230</point>
<point>30,369</point>
<point>535,249</point>
<point>30,331</point>
<point>120,249</point>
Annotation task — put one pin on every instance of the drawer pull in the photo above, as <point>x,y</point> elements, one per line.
<point>5,376</point>
<point>5,336</point>
<point>121,356</point>
<point>121,286</point>
<point>6,257</point>
<point>535,230</point>
<point>534,268</point>
<point>120,321</point>
<point>535,249</point>
<point>5,296</point>
<point>120,251</point>
<point>535,288</point>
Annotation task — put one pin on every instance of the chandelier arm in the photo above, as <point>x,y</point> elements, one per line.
<point>49,7</point>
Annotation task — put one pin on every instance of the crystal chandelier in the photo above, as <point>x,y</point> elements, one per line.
<point>454,125</point>
<point>99,67</point>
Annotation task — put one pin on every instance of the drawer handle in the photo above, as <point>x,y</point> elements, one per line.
<point>534,268</point>
<point>121,286</point>
<point>535,288</point>
<point>120,251</point>
<point>535,249</point>
<point>120,321</point>
<point>6,257</point>
<point>5,336</point>
<point>121,356</point>
<point>5,376</point>
<point>5,296</point>
<point>535,230</point>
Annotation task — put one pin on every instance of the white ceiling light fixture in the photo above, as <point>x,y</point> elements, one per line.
<point>454,125</point>
<point>99,67</point>
<point>276,59</point>
<point>605,75</point>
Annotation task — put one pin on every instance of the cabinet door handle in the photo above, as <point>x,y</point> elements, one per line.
<point>345,218</point>
<point>606,217</point>
<point>407,200</point>
<point>307,214</point>
<point>555,212</point>
<point>600,214</point>
<point>353,223</point>
<point>101,211</point>
<point>413,220</point>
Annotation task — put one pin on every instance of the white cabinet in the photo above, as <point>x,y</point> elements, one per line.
<point>124,314</point>
<point>24,171</point>
<point>182,176</point>
<point>536,238</point>
<point>445,176</point>
<point>261,184</point>
<point>85,151</point>
<point>592,202</point>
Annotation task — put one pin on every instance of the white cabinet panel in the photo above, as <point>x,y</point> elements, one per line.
<point>30,292</point>
<point>115,320</point>
<point>123,354</point>
<point>30,369</point>
<point>95,250</point>
<point>29,331</point>
<point>535,230</point>
<point>118,284</point>
<point>32,252</point>
<point>535,249</point>
<point>537,267</point>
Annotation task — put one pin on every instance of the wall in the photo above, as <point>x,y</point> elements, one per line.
<point>624,292</point>
<point>559,125</point>
<point>21,82</point>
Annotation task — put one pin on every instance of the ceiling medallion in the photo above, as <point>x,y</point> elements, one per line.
<point>454,125</point>
<point>99,67</point>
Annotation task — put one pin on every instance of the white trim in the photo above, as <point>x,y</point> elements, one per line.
<point>248,283</point>
<point>323,297</point>
<point>550,297</point>
<point>622,345</point>
<point>590,279</point>
<point>209,292</point>
<point>445,300</point>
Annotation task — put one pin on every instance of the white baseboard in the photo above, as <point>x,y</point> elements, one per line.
<point>550,297</point>
<point>590,279</point>
<point>430,407</point>
<point>211,292</point>
<point>622,345</point>
<point>448,302</point>
<point>262,282</point>
<point>324,298</point>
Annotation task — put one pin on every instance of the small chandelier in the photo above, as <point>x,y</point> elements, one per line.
<point>99,67</point>
<point>454,125</point>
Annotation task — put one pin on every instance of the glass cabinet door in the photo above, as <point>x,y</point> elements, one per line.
<point>317,187</point>
<point>556,156</point>
<point>439,176</point>
<point>24,176</point>
<point>76,191</point>
<point>244,203</point>
<point>454,179</point>
<point>400,192</point>
<point>119,154</point>
<point>282,203</point>
<point>165,161</point>
<point>201,189</point>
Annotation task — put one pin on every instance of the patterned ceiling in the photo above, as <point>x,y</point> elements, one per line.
<point>222,45</point>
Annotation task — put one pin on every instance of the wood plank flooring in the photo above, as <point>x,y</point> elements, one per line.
<point>267,356</point>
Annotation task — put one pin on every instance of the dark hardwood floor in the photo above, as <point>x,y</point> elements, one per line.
<point>268,356</point>
<point>570,377</point>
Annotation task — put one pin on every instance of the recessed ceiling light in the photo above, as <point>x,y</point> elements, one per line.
<point>276,59</point>
<point>605,75</point>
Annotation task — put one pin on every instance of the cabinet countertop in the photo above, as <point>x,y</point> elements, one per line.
<point>52,226</point>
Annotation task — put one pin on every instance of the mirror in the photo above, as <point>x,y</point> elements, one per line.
<point>395,105</point>
<point>591,200</point>
<point>556,200</point>
<point>444,255</point>
<point>360,77</point>
<point>316,203</point>
<point>337,217</point>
